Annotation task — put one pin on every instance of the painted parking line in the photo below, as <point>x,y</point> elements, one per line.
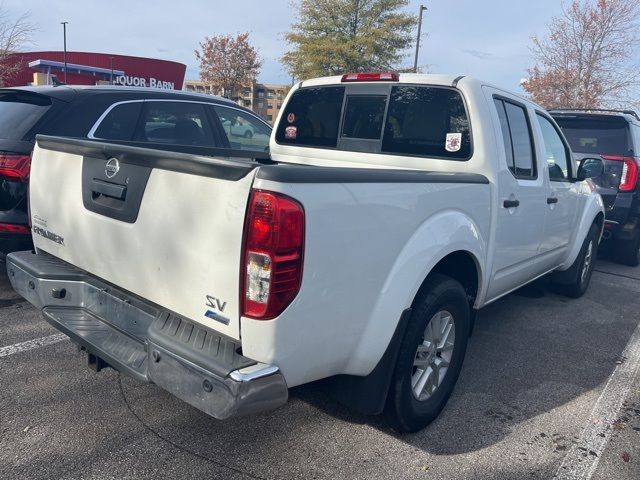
<point>31,344</point>
<point>582,460</point>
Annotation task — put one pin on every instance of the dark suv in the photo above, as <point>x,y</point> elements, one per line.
<point>615,136</point>
<point>160,117</point>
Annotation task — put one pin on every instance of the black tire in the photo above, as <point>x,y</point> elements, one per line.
<point>572,282</point>
<point>404,411</point>
<point>248,134</point>
<point>627,252</point>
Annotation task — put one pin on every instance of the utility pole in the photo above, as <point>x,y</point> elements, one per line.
<point>415,62</point>
<point>111,70</point>
<point>64,30</point>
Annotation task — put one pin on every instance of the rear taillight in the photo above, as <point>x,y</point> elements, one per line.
<point>629,175</point>
<point>14,228</point>
<point>272,254</point>
<point>371,77</point>
<point>15,167</point>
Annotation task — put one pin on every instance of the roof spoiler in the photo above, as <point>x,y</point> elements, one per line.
<point>596,110</point>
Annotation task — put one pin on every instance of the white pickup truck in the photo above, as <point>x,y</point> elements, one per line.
<point>390,209</point>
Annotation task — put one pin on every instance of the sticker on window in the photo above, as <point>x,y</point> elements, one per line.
<point>290,133</point>
<point>291,117</point>
<point>453,142</point>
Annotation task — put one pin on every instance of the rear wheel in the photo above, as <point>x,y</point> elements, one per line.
<point>430,356</point>
<point>627,252</point>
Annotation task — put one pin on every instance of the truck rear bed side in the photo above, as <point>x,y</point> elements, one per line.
<point>373,236</point>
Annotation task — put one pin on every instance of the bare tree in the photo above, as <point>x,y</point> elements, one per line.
<point>14,36</point>
<point>586,60</point>
<point>228,63</point>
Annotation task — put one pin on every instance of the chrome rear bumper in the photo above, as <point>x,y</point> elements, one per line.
<point>146,342</point>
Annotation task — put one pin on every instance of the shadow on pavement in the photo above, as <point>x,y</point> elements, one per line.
<point>531,352</point>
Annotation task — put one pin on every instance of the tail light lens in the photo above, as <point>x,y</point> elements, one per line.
<point>272,254</point>
<point>15,167</point>
<point>14,228</point>
<point>629,175</point>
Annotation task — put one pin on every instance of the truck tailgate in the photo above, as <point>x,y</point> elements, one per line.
<point>164,226</point>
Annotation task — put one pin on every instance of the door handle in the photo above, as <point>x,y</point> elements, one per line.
<point>511,203</point>
<point>551,200</point>
<point>107,189</point>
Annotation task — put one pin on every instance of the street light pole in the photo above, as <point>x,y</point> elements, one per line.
<point>415,62</point>
<point>64,30</point>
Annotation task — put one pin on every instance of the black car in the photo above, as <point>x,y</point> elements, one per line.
<point>615,136</point>
<point>111,113</point>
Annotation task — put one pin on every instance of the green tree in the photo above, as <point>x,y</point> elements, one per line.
<point>332,37</point>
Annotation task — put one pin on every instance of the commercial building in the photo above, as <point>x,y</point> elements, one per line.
<point>85,68</point>
<point>265,99</point>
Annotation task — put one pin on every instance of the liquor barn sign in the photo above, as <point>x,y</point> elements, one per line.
<point>143,82</point>
<point>87,68</point>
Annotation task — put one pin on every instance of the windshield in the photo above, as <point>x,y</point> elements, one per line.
<point>19,112</point>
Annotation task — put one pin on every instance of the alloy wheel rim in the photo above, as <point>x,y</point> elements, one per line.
<point>433,355</point>
<point>588,258</point>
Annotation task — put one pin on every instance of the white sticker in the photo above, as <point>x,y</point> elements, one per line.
<point>290,133</point>
<point>453,142</point>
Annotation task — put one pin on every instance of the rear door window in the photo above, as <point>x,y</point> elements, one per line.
<point>516,134</point>
<point>506,133</point>
<point>175,123</point>
<point>19,112</point>
<point>427,121</point>
<point>120,123</point>
<point>243,130</point>
<point>312,117</point>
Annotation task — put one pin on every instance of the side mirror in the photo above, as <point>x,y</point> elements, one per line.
<point>590,168</point>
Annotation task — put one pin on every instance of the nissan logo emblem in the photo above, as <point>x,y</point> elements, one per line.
<point>111,168</point>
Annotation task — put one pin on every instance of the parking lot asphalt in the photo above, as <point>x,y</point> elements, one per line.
<point>541,380</point>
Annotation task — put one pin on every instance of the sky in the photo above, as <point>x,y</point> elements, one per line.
<point>488,39</point>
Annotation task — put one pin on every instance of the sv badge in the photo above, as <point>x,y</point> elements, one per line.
<point>216,303</point>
